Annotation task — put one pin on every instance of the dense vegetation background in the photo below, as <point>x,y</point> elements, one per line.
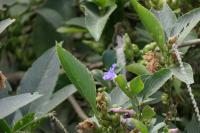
<point>40,23</point>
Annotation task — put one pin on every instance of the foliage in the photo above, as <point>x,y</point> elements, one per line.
<point>143,92</point>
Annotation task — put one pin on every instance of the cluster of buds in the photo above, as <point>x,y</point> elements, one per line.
<point>153,62</point>
<point>102,103</point>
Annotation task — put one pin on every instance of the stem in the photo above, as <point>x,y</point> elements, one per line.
<point>77,108</point>
<point>190,43</point>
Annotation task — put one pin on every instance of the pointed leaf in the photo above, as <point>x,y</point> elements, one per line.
<point>41,77</point>
<point>137,69</point>
<point>189,79</point>
<point>148,112</point>
<point>154,82</point>
<point>79,75</point>
<point>57,98</point>
<point>95,23</point>
<point>152,24</point>
<point>51,16</point>
<point>166,17</point>
<point>10,104</point>
<point>185,24</point>
<point>136,85</point>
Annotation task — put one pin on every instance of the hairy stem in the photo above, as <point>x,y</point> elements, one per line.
<point>187,84</point>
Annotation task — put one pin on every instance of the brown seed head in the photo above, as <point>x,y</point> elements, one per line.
<point>2,81</point>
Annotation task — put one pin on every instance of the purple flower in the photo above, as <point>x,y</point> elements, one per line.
<point>110,75</point>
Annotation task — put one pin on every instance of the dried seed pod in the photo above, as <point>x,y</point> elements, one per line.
<point>2,81</point>
<point>86,126</point>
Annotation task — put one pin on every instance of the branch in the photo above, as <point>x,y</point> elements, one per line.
<point>190,43</point>
<point>77,108</point>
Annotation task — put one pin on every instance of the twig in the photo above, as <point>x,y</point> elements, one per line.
<point>190,43</point>
<point>77,108</point>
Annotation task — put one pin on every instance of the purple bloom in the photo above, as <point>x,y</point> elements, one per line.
<point>110,75</point>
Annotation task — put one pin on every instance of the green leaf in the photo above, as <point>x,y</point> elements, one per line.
<point>152,24</point>
<point>41,77</point>
<point>192,126</point>
<point>154,82</point>
<point>18,10</point>
<point>78,21</point>
<point>79,75</point>
<point>185,24</point>
<point>177,72</point>
<point>136,85</point>
<point>71,30</point>
<point>10,104</point>
<point>95,22</point>
<point>118,97</point>
<point>137,69</point>
<point>166,17</point>
<point>109,58</point>
<point>4,128</point>
<point>139,125</point>
<point>24,122</point>
<point>39,39</point>
<point>51,16</point>
<point>5,23</point>
<point>148,112</point>
<point>122,83</point>
<point>57,98</point>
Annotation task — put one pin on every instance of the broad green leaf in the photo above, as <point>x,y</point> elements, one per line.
<point>4,128</point>
<point>139,125</point>
<point>95,22</point>
<point>5,23</point>
<point>152,24</point>
<point>41,77</point>
<point>137,69</point>
<point>154,82</point>
<point>39,39</point>
<point>178,73</point>
<point>10,104</point>
<point>185,24</point>
<point>136,85</point>
<point>166,17</point>
<point>24,122</point>
<point>18,10</point>
<point>51,16</point>
<point>79,75</point>
<point>56,99</point>
<point>109,58</point>
<point>122,83</point>
<point>148,112</point>
<point>192,126</point>
<point>118,97</point>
